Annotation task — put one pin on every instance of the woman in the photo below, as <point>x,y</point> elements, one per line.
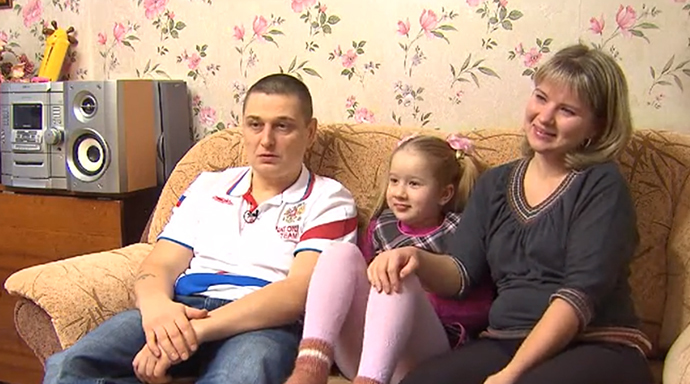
<point>556,230</point>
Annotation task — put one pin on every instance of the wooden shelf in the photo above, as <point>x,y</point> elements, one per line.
<point>38,228</point>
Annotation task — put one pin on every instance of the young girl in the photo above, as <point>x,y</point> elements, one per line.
<point>380,321</point>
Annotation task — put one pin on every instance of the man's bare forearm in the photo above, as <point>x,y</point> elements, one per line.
<point>274,305</point>
<point>158,272</point>
<point>152,282</point>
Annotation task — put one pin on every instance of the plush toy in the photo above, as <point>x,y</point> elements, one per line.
<point>58,41</point>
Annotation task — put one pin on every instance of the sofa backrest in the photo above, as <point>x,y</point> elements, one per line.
<point>655,164</point>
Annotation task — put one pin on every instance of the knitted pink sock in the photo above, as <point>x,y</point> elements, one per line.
<point>332,290</point>
<point>365,380</point>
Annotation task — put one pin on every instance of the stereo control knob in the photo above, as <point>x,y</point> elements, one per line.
<point>53,136</point>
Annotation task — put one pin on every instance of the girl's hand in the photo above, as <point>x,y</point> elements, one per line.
<point>390,267</point>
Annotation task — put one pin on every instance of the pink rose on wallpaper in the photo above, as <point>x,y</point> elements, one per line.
<point>429,21</point>
<point>154,8</point>
<point>349,58</point>
<point>532,57</point>
<point>299,5</point>
<point>625,18</point>
<point>260,26</point>
<point>193,61</point>
<point>350,102</point>
<point>597,25</point>
<point>363,115</point>
<point>404,27</point>
<point>196,100</point>
<point>171,15</point>
<point>207,116</point>
<point>32,12</point>
<point>323,8</point>
<point>102,38</point>
<point>238,32</point>
<point>119,32</point>
<point>3,39</point>
<point>473,3</point>
<point>503,3</point>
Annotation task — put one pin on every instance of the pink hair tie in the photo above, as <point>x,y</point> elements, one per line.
<point>407,138</point>
<point>461,144</point>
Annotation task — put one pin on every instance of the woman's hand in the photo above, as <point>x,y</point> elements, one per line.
<point>390,267</point>
<point>501,377</point>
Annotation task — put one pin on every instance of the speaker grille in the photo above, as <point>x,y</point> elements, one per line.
<point>89,155</point>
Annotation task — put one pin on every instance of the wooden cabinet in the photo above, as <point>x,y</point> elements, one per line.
<point>37,228</point>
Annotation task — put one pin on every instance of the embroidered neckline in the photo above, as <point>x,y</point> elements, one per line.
<point>518,200</point>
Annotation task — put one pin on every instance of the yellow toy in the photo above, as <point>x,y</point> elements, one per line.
<point>58,41</point>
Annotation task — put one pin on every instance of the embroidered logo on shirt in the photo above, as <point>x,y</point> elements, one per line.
<point>223,200</point>
<point>288,232</point>
<point>293,214</point>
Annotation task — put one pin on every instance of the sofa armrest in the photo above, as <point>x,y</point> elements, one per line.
<point>81,292</point>
<point>677,362</point>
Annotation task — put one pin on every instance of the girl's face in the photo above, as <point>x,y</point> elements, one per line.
<point>413,193</point>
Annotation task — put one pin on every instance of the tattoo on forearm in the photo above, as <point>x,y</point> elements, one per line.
<point>145,276</point>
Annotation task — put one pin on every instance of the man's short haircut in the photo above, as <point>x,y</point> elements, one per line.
<point>282,84</point>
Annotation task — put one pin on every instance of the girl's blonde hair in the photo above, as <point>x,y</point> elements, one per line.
<point>598,81</point>
<point>459,168</point>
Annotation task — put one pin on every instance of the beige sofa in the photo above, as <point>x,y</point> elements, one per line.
<point>61,301</point>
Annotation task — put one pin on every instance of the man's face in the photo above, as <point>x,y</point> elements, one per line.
<point>276,135</point>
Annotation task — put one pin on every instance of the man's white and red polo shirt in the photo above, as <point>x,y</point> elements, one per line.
<point>240,247</point>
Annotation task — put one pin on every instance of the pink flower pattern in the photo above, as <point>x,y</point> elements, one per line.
<point>361,115</point>
<point>238,32</point>
<point>207,116</point>
<point>32,12</point>
<point>404,27</point>
<point>629,23</point>
<point>597,25</point>
<point>260,27</point>
<point>349,58</point>
<point>430,26</point>
<point>531,58</point>
<point>263,30</point>
<point>153,8</point>
<point>625,18</point>
<point>428,21</point>
<point>299,5</point>
<point>102,38</point>
<point>123,35</point>
<point>119,32</point>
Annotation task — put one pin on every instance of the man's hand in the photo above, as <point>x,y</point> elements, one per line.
<point>390,267</point>
<point>151,369</point>
<point>167,328</point>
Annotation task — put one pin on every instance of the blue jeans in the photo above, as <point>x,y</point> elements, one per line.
<point>105,355</point>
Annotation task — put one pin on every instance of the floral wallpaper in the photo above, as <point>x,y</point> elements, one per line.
<point>442,64</point>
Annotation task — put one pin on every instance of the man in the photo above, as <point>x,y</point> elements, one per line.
<point>221,294</point>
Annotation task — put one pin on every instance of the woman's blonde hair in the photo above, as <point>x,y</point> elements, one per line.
<point>598,81</point>
<point>449,166</point>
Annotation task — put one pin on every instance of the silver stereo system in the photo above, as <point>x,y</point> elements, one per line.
<point>103,137</point>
